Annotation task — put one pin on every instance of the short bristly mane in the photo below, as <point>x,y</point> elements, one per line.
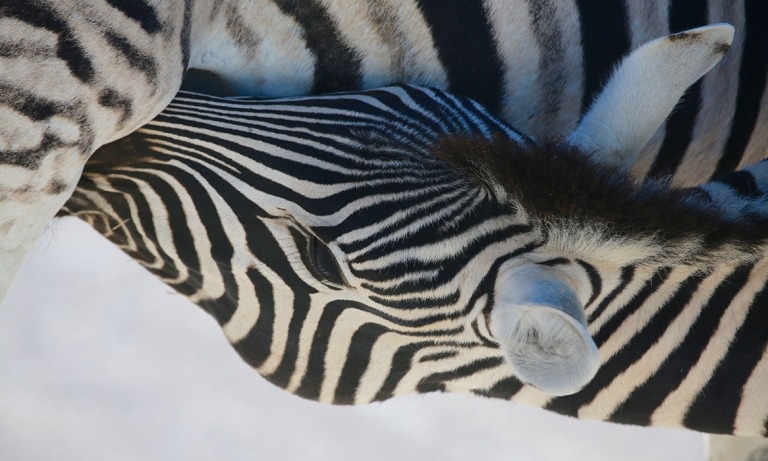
<point>583,204</point>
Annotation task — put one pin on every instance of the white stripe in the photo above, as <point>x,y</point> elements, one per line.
<point>637,373</point>
<point>677,403</point>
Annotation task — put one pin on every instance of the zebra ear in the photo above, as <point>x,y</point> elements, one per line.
<point>643,90</point>
<point>540,325</point>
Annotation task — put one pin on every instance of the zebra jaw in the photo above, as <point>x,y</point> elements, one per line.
<point>540,325</point>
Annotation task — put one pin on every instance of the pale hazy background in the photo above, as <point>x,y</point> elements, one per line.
<point>100,361</point>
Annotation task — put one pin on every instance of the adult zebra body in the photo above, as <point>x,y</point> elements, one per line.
<point>346,264</point>
<point>77,75</point>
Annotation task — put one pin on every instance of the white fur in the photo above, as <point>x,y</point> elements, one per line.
<point>278,64</point>
<point>540,325</point>
<point>644,89</point>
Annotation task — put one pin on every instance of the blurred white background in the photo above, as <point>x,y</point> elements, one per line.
<point>100,361</point>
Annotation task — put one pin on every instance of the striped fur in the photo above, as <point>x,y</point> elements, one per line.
<point>419,246</point>
<point>79,74</point>
<point>538,64</point>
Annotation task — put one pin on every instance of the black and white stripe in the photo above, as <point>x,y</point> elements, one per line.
<point>245,206</point>
<point>537,64</point>
<point>79,74</point>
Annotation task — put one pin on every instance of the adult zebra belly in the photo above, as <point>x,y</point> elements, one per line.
<point>536,63</point>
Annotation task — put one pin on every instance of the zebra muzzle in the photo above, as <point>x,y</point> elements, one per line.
<point>540,325</point>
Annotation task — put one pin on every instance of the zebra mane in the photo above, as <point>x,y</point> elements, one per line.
<point>568,192</point>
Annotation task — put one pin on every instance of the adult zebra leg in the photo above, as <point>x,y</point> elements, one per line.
<point>72,80</point>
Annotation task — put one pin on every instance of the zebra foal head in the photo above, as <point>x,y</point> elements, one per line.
<point>359,246</point>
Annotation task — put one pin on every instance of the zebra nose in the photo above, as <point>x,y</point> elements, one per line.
<point>540,325</point>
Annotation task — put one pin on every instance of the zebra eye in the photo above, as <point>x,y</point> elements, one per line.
<point>323,263</point>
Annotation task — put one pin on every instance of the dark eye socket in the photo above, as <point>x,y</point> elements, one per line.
<point>318,258</point>
<point>323,263</point>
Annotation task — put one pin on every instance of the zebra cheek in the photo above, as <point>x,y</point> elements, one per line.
<point>540,326</point>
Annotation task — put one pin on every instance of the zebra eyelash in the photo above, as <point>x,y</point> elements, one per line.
<point>313,254</point>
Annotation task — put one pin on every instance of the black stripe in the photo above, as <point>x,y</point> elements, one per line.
<point>637,409</point>
<point>594,280</point>
<point>31,158</point>
<point>429,231</point>
<point>69,48</point>
<point>114,100</point>
<point>37,108</point>
<point>139,11</point>
<point>356,362</point>
<point>401,365</point>
<point>477,116</point>
<point>438,356</point>
<point>31,105</point>
<point>504,389</point>
<point>314,375</point>
<point>552,73</point>
<point>714,410</point>
<point>255,347</point>
<point>28,50</point>
<point>185,36</point>
<point>462,36</point>
<point>282,375</point>
<point>555,262</point>
<point>604,41</point>
<point>336,66</point>
<point>456,117</point>
<point>752,82</point>
<point>682,121</point>
<point>627,274</point>
<point>436,382</point>
<point>425,103</point>
<point>136,58</point>
<point>192,129</point>
<point>678,135</point>
<point>413,303</point>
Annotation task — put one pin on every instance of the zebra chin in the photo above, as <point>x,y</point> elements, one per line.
<point>540,326</point>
